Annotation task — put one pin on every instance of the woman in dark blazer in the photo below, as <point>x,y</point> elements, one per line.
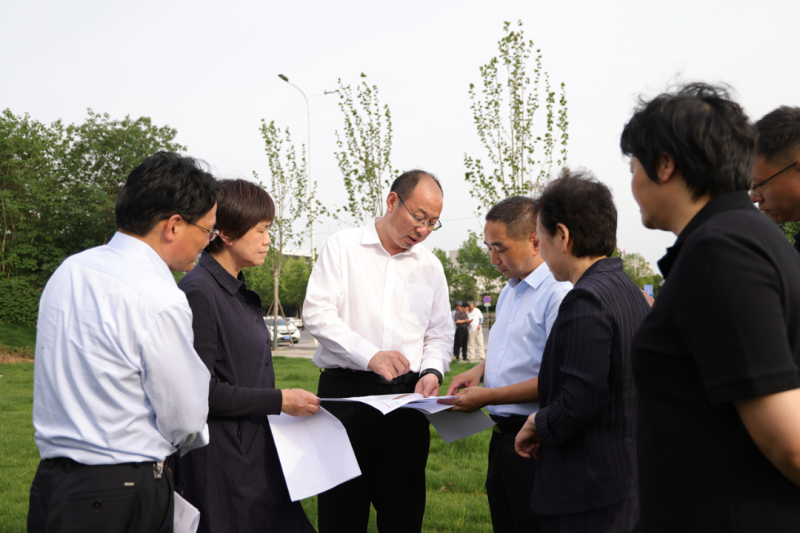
<point>583,433</point>
<point>236,481</point>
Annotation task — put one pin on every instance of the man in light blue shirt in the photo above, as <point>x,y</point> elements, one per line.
<point>526,310</point>
<point>118,386</point>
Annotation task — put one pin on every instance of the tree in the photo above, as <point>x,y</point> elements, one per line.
<point>97,157</point>
<point>365,147</point>
<point>288,191</point>
<point>514,165</point>
<point>789,229</point>
<point>294,282</point>
<point>639,270</point>
<point>472,274</point>
<point>58,188</point>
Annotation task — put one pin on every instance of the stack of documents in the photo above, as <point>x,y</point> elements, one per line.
<point>315,451</point>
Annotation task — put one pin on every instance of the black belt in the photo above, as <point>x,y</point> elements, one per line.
<point>68,465</point>
<point>364,376</point>
<point>509,424</point>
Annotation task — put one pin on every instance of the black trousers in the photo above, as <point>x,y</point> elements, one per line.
<point>392,453</point>
<point>509,483</point>
<point>462,338</point>
<point>69,497</point>
<point>622,517</point>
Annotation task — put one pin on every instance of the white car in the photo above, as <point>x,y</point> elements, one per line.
<point>286,332</point>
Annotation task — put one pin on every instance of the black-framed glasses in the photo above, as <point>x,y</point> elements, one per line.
<point>420,222</point>
<point>212,233</point>
<point>754,187</point>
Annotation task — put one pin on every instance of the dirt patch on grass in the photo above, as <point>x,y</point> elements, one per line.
<point>16,355</point>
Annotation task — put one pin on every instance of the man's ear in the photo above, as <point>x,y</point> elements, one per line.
<point>665,168</point>
<point>391,202</point>
<point>172,226</point>
<point>534,240</point>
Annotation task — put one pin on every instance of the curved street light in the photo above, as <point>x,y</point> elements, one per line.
<point>310,182</point>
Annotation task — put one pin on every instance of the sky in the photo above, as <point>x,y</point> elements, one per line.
<point>210,70</point>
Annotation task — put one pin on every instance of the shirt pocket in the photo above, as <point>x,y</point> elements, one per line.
<point>418,303</point>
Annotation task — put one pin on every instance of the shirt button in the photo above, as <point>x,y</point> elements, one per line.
<point>96,504</point>
<point>512,320</point>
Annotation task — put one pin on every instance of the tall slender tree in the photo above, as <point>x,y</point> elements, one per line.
<point>287,186</point>
<point>365,147</point>
<point>519,151</point>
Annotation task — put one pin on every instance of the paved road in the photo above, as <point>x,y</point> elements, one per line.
<point>305,348</point>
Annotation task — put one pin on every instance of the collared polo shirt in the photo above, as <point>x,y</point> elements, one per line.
<point>526,311</point>
<point>723,328</point>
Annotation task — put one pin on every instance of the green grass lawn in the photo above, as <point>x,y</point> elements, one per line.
<point>455,475</point>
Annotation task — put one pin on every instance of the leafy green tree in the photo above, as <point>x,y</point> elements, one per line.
<point>287,187</point>
<point>447,265</point>
<point>519,151</point>
<point>790,229</point>
<point>639,270</point>
<point>58,188</point>
<point>365,147</point>
<point>294,282</point>
<point>97,157</point>
<point>472,274</point>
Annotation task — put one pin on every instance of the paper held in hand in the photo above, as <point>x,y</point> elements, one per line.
<point>450,425</point>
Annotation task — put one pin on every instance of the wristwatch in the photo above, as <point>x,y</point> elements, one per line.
<point>432,371</point>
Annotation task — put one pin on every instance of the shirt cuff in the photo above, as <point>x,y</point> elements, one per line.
<point>363,353</point>
<point>433,363</point>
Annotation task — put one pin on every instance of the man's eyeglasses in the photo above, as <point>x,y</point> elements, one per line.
<point>212,233</point>
<point>420,222</point>
<point>754,187</point>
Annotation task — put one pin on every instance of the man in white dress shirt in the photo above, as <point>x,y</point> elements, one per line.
<point>475,340</point>
<point>118,386</point>
<point>377,302</point>
<point>526,310</point>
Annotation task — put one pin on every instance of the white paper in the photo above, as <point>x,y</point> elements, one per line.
<point>454,425</point>
<point>187,517</point>
<point>315,452</point>
<point>386,403</point>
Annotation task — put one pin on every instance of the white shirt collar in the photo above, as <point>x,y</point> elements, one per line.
<point>126,243</point>
<point>371,237</point>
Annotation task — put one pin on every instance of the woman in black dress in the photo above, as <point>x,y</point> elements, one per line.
<point>236,481</point>
<point>584,431</point>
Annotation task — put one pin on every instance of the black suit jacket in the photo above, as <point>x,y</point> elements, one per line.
<point>587,416</point>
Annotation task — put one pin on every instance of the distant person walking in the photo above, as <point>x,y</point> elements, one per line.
<point>475,339</point>
<point>462,332</point>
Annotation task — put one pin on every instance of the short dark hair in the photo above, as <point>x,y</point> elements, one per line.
<point>585,206</point>
<point>518,213</point>
<point>164,184</point>
<point>406,182</point>
<point>779,133</point>
<point>241,205</point>
<point>707,134</point>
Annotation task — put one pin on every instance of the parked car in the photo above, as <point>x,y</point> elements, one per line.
<point>298,322</point>
<point>286,332</point>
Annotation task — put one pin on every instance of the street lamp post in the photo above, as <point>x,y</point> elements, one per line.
<point>310,182</point>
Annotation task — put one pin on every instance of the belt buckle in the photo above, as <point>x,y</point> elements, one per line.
<point>158,469</point>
